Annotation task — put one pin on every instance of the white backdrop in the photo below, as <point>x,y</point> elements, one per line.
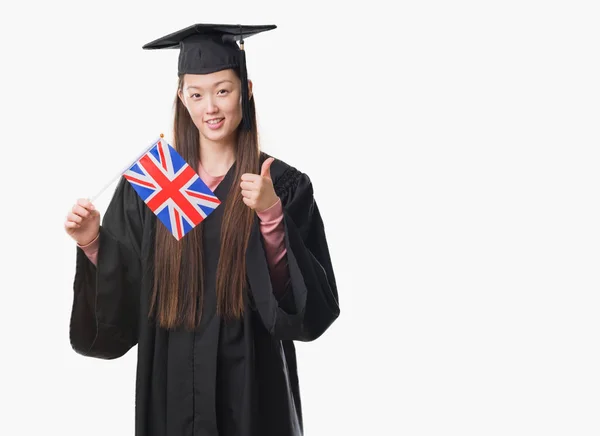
<point>453,148</point>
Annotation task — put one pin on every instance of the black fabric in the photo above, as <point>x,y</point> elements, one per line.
<point>235,378</point>
<point>207,48</point>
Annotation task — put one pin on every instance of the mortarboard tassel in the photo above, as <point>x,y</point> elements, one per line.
<point>246,123</point>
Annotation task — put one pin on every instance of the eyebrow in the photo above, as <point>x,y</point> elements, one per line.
<point>215,85</point>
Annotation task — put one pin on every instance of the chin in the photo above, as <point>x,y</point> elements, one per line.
<point>216,135</point>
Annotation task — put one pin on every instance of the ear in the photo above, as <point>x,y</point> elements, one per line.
<point>180,95</point>
<point>249,89</point>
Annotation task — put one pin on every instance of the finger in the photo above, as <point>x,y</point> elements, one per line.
<point>72,225</point>
<point>265,171</point>
<point>74,218</point>
<point>85,203</point>
<point>248,186</point>
<point>249,203</point>
<point>249,194</point>
<point>250,177</point>
<point>81,211</point>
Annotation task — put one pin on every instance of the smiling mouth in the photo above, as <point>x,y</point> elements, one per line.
<point>215,121</point>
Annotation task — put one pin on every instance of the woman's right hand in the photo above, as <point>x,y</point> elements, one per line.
<point>83,222</point>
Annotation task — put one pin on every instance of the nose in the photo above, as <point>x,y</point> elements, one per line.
<point>211,107</point>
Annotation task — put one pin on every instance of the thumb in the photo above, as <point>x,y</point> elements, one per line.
<point>265,171</point>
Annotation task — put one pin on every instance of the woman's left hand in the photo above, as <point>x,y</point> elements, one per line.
<point>257,190</point>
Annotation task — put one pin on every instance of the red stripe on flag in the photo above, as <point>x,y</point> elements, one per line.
<point>204,197</point>
<point>162,157</point>
<point>139,182</point>
<point>178,224</point>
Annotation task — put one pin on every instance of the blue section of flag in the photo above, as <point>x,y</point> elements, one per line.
<point>207,210</point>
<point>199,186</point>
<point>154,152</point>
<point>186,226</point>
<point>143,191</point>
<point>136,169</point>
<point>176,159</point>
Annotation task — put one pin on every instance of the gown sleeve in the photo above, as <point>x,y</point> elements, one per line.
<point>309,302</point>
<point>104,316</point>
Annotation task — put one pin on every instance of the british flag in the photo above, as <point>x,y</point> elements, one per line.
<point>171,189</point>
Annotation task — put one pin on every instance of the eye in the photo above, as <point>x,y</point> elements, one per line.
<point>223,91</point>
<point>196,95</point>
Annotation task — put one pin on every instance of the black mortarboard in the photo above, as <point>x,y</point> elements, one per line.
<point>207,48</point>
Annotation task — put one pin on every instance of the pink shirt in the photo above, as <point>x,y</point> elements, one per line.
<point>271,228</point>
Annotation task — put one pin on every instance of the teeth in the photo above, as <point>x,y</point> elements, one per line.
<point>215,121</point>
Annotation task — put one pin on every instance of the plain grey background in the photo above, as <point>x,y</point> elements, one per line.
<point>453,148</point>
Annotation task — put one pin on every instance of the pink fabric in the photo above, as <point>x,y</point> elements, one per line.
<point>91,249</point>
<point>271,228</point>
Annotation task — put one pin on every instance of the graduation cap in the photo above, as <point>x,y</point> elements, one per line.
<point>207,48</point>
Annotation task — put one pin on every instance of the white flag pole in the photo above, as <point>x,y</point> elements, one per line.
<point>92,199</point>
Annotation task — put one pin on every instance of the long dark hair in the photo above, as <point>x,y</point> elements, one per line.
<point>178,265</point>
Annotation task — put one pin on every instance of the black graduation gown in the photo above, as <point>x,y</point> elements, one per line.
<point>229,379</point>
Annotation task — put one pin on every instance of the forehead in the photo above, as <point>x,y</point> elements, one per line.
<point>208,80</point>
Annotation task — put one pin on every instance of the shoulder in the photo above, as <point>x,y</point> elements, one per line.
<point>288,180</point>
<point>126,201</point>
<point>295,190</point>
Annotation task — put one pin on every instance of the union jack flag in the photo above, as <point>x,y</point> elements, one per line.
<point>171,189</point>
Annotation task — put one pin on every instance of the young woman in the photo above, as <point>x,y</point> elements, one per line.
<point>215,314</point>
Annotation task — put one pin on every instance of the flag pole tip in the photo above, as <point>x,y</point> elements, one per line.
<point>162,136</point>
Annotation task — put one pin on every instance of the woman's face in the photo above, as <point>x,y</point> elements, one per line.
<point>214,103</point>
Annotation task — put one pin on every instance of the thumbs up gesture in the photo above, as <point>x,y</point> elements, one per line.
<point>257,190</point>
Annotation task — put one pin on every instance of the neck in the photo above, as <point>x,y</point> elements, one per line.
<point>217,156</point>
